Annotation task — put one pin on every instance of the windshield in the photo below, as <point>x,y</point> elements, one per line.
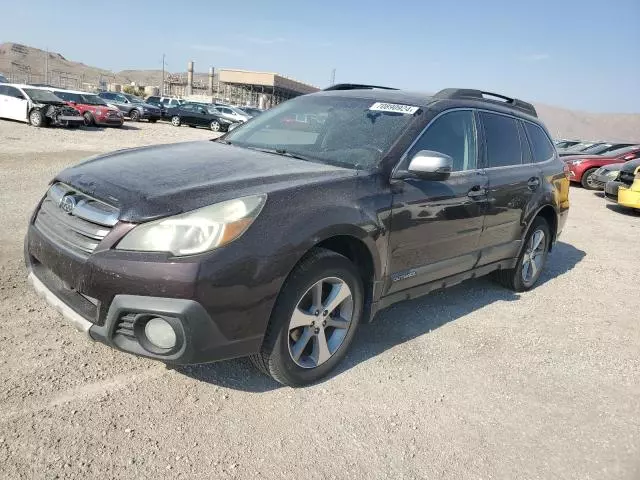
<point>622,150</point>
<point>335,130</point>
<point>596,148</point>
<point>42,95</point>
<point>90,99</point>
<point>581,146</point>
<point>132,98</point>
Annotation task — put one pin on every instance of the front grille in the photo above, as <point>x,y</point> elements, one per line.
<point>74,220</point>
<point>125,325</point>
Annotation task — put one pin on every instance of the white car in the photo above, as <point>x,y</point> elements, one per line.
<point>37,106</point>
<point>230,113</point>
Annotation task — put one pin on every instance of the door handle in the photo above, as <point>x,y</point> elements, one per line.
<point>533,183</point>
<point>476,191</point>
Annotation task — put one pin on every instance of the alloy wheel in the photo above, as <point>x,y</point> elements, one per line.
<point>175,121</point>
<point>533,258</point>
<point>320,322</point>
<point>215,126</point>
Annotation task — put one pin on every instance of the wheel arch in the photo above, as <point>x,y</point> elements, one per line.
<point>548,212</point>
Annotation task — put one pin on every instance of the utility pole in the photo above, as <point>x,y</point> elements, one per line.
<point>162,87</point>
<point>333,77</point>
<point>46,67</point>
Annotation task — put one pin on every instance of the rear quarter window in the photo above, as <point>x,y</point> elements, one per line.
<point>540,144</point>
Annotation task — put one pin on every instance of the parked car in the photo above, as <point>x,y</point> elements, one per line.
<point>93,109</point>
<point>582,168</point>
<point>596,149</point>
<point>164,103</point>
<point>277,243</point>
<point>606,174</point>
<point>131,106</point>
<point>627,184</point>
<point>577,148</point>
<point>251,111</point>
<point>230,113</point>
<point>564,144</point>
<point>197,115</point>
<point>37,106</point>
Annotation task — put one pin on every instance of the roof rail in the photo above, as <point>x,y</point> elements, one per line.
<point>467,93</point>
<point>356,86</point>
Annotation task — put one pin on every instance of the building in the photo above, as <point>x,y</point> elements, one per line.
<point>237,87</point>
<point>261,89</point>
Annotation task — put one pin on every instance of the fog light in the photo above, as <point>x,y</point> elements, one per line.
<point>160,333</point>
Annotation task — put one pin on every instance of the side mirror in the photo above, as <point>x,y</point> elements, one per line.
<point>431,165</point>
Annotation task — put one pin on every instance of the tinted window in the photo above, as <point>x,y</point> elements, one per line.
<point>13,92</point>
<point>3,90</point>
<point>106,95</point>
<point>527,157</point>
<point>454,134</point>
<point>502,140</point>
<point>542,147</point>
<point>188,108</point>
<point>153,99</point>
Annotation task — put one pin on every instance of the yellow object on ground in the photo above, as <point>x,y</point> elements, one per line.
<point>630,196</point>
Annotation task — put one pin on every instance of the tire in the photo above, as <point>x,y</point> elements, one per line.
<point>88,119</point>
<point>175,121</point>
<point>281,341</point>
<point>586,180</point>
<point>513,278</point>
<point>152,120</point>
<point>36,118</point>
<point>215,126</point>
<point>134,115</point>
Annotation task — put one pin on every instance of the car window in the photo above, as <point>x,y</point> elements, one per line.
<point>542,148</point>
<point>153,99</point>
<point>453,134</point>
<point>120,98</point>
<point>13,92</point>
<point>527,156</point>
<point>188,108</point>
<point>501,139</point>
<point>337,130</point>
<point>227,110</point>
<point>108,96</point>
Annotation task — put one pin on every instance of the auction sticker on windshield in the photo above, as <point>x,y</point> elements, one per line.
<point>393,107</point>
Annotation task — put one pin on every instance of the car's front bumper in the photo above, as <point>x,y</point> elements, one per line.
<point>110,297</point>
<point>611,190</point>
<point>630,196</point>
<point>599,181</point>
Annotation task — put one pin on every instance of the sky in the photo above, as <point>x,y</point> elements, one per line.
<point>581,55</point>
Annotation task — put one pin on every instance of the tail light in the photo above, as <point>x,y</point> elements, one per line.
<point>631,156</point>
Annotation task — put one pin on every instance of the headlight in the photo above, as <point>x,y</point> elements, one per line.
<point>196,231</point>
<point>576,162</point>
<point>612,173</point>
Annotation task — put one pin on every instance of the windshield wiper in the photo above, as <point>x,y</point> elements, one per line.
<point>284,153</point>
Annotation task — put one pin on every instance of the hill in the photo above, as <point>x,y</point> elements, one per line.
<point>23,63</point>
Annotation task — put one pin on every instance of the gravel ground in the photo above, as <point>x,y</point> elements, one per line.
<point>473,382</point>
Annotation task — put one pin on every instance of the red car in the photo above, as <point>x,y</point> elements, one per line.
<point>582,167</point>
<point>94,109</point>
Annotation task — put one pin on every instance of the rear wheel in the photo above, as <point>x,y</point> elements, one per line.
<point>36,118</point>
<point>588,181</point>
<point>214,125</point>
<point>134,115</point>
<point>175,121</point>
<point>88,119</point>
<point>530,261</point>
<point>314,320</point>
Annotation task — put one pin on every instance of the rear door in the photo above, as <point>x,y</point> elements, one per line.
<point>436,225</point>
<point>14,104</point>
<point>514,182</point>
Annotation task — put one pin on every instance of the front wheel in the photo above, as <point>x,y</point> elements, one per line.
<point>88,119</point>
<point>314,320</point>
<point>215,126</point>
<point>175,121</point>
<point>134,115</point>
<point>36,118</point>
<point>530,261</point>
<point>588,181</point>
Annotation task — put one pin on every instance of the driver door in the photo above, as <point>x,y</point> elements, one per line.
<point>436,225</point>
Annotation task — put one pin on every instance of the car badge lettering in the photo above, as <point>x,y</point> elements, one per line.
<point>67,204</point>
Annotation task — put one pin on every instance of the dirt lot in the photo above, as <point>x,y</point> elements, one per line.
<point>474,382</point>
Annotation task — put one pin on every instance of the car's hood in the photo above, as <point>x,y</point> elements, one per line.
<point>152,182</point>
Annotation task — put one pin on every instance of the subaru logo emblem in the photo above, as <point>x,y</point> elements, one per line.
<point>67,204</point>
